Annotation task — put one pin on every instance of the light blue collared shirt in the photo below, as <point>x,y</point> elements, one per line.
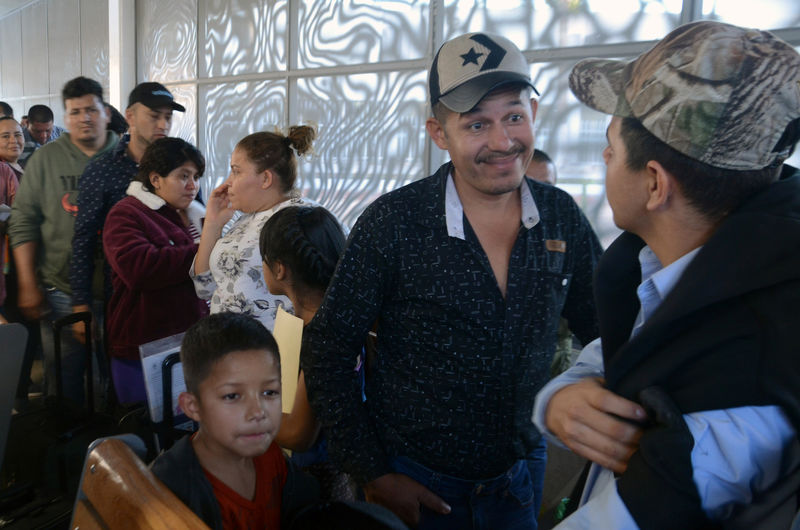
<point>737,452</point>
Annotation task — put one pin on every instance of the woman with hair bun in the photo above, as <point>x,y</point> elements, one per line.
<point>227,268</point>
<point>300,247</point>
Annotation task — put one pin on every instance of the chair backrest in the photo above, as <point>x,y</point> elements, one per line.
<point>13,338</point>
<point>118,491</point>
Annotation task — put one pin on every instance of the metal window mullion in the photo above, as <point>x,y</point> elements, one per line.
<point>436,36</point>
<point>576,53</point>
<point>291,113</point>
<point>692,11</point>
<point>200,132</point>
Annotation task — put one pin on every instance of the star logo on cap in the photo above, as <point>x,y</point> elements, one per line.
<point>496,52</point>
<point>470,57</point>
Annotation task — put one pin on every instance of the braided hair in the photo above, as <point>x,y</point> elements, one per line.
<point>274,151</point>
<point>307,240</point>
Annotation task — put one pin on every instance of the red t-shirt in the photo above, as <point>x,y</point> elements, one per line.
<point>264,510</point>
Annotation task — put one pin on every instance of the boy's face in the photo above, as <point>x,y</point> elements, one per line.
<point>238,406</point>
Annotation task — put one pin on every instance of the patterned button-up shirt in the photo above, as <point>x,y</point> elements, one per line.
<point>101,186</point>
<point>458,365</point>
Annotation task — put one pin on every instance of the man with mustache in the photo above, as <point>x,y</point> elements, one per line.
<point>103,184</point>
<point>465,275</point>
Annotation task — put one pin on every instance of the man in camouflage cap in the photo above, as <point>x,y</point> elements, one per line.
<point>691,396</point>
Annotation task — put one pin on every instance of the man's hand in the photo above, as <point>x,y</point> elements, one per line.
<point>30,301</point>
<point>404,496</point>
<point>79,328</point>
<point>590,420</point>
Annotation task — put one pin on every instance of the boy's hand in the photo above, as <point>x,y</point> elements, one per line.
<point>404,496</point>
<point>590,420</point>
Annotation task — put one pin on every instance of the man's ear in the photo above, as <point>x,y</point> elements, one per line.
<point>661,186</point>
<point>190,405</point>
<point>129,114</point>
<point>534,108</point>
<point>437,133</point>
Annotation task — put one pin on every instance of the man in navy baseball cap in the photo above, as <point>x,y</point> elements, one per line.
<point>106,179</point>
<point>153,95</point>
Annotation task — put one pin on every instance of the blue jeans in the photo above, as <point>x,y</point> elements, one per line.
<point>73,353</point>
<point>503,502</point>
<point>537,462</point>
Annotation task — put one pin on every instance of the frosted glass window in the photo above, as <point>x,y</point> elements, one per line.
<point>533,24</point>
<point>356,32</point>
<point>243,36</point>
<point>231,111</point>
<point>167,40</point>
<point>765,14</point>
<point>184,124</point>
<point>574,136</point>
<point>371,137</point>
<point>358,69</point>
<point>94,41</point>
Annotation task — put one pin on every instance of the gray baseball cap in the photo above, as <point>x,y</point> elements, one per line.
<point>470,66</point>
<point>717,93</point>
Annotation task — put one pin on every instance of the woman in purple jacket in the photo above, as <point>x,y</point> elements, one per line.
<point>149,241</point>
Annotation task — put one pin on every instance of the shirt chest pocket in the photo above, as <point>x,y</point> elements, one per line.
<point>552,255</point>
<point>551,288</point>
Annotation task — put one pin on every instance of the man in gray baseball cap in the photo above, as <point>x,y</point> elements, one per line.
<point>465,274</point>
<point>691,396</point>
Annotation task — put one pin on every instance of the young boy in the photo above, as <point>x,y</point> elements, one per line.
<point>230,472</point>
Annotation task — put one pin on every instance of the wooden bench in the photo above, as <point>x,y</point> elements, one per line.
<point>118,491</point>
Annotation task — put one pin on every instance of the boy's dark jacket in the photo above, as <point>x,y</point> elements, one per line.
<point>180,470</point>
<point>726,336</point>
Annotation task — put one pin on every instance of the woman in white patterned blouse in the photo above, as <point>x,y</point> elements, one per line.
<point>227,268</point>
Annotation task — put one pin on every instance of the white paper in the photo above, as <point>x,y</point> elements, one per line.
<point>288,333</point>
<point>153,355</point>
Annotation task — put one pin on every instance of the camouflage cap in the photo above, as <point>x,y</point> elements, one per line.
<point>717,93</point>
<point>470,66</point>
